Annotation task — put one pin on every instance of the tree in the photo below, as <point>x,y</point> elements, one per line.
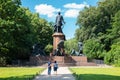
<point>49,49</point>
<point>93,49</point>
<point>115,31</point>
<point>20,29</point>
<point>113,56</point>
<point>8,10</point>
<point>97,23</point>
<point>87,21</point>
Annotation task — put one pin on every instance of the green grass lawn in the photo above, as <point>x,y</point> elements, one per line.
<point>96,73</point>
<point>18,73</point>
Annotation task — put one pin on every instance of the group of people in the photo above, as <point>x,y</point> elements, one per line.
<point>55,67</point>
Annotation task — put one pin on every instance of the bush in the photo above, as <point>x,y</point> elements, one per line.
<point>113,56</point>
<point>93,49</point>
<point>2,61</point>
<point>3,53</point>
<point>70,45</point>
<point>49,48</point>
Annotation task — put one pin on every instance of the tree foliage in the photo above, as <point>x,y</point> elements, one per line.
<point>93,49</point>
<point>70,45</point>
<point>49,49</point>
<point>113,56</point>
<point>101,25</point>
<point>20,29</point>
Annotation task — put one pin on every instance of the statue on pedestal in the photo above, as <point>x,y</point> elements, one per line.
<point>58,36</point>
<point>58,23</point>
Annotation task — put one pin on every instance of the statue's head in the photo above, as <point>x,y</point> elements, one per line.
<point>58,13</point>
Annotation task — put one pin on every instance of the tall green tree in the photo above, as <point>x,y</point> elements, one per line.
<point>113,56</point>
<point>8,9</point>
<point>20,29</point>
<point>115,30</point>
<point>87,21</point>
<point>96,23</point>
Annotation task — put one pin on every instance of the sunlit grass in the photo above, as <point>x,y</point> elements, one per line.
<point>18,73</point>
<point>96,73</point>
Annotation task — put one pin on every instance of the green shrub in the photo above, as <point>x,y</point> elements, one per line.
<point>2,61</point>
<point>113,56</point>
<point>70,45</point>
<point>93,49</point>
<point>49,48</point>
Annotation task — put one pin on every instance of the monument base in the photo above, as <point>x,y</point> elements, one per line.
<point>57,37</point>
<point>62,61</point>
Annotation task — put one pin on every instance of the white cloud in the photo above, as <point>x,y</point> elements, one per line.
<point>73,9</point>
<point>76,6</point>
<point>44,9</point>
<point>73,13</point>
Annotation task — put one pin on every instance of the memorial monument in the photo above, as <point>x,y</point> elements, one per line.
<point>58,36</point>
<point>75,59</point>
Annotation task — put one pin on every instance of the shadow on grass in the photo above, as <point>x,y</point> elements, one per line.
<point>24,77</point>
<point>95,77</point>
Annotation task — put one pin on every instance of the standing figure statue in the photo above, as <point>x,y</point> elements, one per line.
<point>58,23</point>
<point>80,47</point>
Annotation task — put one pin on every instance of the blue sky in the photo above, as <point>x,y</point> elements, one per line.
<point>48,10</point>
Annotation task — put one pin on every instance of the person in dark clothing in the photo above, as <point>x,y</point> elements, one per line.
<point>49,68</point>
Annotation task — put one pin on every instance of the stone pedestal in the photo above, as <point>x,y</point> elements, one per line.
<point>56,38</point>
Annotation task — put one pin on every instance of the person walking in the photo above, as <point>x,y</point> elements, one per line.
<point>49,68</point>
<point>55,66</point>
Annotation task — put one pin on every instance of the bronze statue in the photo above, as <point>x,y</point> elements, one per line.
<point>60,49</point>
<point>58,23</point>
<point>37,50</point>
<point>80,47</point>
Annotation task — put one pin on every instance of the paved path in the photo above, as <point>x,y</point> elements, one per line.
<point>62,74</point>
